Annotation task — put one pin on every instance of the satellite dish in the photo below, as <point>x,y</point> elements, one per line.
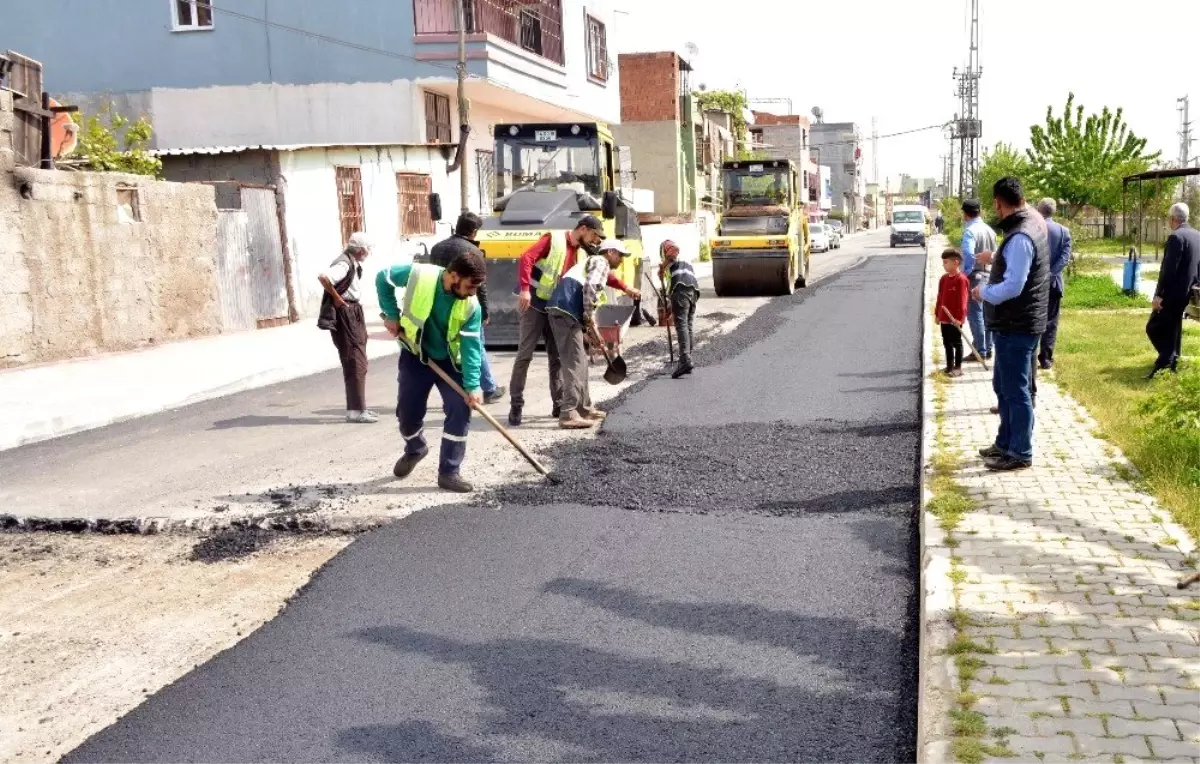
<point>692,50</point>
<point>818,113</point>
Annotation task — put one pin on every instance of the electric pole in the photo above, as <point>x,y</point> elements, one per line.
<point>969,128</point>
<point>464,107</point>
<point>874,152</point>
<point>1185,132</point>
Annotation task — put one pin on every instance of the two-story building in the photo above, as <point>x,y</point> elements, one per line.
<point>348,107</point>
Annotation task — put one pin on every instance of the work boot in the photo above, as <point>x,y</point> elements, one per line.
<point>495,395</point>
<point>454,483</point>
<point>408,463</point>
<point>593,414</point>
<point>514,416</point>
<point>362,417</point>
<point>684,367</point>
<point>573,421</point>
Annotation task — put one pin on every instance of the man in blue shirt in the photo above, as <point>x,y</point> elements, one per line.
<point>1060,256</point>
<point>977,236</point>
<point>1016,302</point>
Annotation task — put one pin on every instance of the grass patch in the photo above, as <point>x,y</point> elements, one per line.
<point>963,645</point>
<point>1097,291</point>
<point>1098,247</point>
<point>1101,359</point>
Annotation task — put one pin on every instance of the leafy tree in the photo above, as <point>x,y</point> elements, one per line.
<point>1000,162</point>
<point>111,142</point>
<point>732,101</point>
<point>1081,160</point>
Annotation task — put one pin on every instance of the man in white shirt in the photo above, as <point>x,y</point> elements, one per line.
<point>342,315</point>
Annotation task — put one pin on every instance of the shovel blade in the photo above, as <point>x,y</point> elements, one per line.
<point>616,372</point>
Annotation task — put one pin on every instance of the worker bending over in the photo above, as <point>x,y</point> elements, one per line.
<point>682,290</point>
<point>571,311</point>
<point>439,323</point>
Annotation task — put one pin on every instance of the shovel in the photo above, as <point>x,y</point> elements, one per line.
<point>617,371</point>
<point>964,339</point>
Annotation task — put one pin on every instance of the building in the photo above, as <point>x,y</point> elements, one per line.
<point>788,136</point>
<point>347,111</point>
<point>840,147</point>
<point>316,73</point>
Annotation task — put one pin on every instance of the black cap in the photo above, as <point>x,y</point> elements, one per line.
<point>971,206</point>
<point>592,222</point>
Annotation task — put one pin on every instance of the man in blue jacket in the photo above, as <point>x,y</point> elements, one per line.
<point>1060,258</point>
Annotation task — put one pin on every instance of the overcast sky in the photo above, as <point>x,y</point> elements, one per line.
<point>892,60</point>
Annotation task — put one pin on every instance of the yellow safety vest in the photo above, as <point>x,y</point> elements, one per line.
<point>551,265</point>
<point>423,283</point>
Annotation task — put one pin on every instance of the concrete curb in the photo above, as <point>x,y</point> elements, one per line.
<point>937,672</point>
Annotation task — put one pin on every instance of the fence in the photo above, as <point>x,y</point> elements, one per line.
<point>534,25</point>
<point>25,82</point>
<point>250,268</point>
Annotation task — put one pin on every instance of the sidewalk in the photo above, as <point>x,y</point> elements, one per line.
<point>1051,627</point>
<point>46,401</point>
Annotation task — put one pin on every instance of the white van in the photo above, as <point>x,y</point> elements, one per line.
<point>910,225</point>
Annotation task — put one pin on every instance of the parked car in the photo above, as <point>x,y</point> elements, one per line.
<point>819,235</point>
<point>834,228</point>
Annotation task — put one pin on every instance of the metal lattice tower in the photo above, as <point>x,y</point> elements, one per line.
<point>1185,133</point>
<point>968,128</point>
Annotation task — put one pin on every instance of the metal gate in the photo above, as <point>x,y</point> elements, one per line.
<point>253,284</point>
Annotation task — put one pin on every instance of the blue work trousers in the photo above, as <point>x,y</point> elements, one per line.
<point>416,382</point>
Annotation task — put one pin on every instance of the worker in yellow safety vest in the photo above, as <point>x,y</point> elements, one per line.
<point>440,322</point>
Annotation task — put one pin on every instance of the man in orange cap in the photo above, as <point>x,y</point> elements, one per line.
<point>682,289</point>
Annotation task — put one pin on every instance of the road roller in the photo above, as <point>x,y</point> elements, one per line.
<point>546,177</point>
<point>761,247</point>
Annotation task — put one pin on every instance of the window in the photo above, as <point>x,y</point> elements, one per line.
<point>412,194</point>
<point>350,201</point>
<point>192,14</point>
<point>597,49</point>
<point>437,118</point>
<point>531,31</point>
<point>129,209</point>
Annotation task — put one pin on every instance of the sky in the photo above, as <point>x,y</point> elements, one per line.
<point>893,60</point>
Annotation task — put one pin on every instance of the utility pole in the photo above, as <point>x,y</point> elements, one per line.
<point>969,128</point>
<point>464,106</point>
<point>1185,132</point>
<point>874,152</point>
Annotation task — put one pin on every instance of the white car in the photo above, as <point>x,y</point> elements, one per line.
<point>819,237</point>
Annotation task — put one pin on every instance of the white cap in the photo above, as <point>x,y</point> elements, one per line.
<point>613,244</point>
<point>360,240</point>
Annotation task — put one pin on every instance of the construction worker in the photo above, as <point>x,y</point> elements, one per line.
<point>439,323</point>
<point>571,311</point>
<point>553,254</point>
<point>682,290</point>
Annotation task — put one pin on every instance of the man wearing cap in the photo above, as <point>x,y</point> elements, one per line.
<point>682,289</point>
<point>552,256</point>
<point>342,315</point>
<point>571,312</point>
<point>977,237</point>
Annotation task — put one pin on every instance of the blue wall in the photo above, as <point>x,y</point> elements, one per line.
<point>91,46</point>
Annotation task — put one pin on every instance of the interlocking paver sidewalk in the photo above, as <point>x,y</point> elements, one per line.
<point>1059,586</point>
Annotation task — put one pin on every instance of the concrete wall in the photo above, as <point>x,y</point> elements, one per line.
<point>314,225</point>
<point>75,279</point>
<point>657,150</point>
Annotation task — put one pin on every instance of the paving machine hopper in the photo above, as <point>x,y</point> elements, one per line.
<point>762,245</point>
<point>547,177</point>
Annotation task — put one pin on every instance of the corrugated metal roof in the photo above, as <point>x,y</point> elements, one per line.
<point>284,147</point>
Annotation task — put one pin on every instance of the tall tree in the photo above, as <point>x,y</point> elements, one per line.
<point>1001,161</point>
<point>1080,160</point>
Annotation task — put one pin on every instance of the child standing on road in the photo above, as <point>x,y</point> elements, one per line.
<point>682,290</point>
<point>953,293</point>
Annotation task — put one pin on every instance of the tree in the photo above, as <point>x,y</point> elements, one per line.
<point>732,101</point>
<point>1080,161</point>
<point>111,142</point>
<point>1000,162</point>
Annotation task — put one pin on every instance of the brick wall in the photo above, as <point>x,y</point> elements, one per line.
<point>649,87</point>
<point>76,280</point>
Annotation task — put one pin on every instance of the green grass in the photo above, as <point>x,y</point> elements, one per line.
<point>1098,291</point>
<point>1101,359</point>
<point>1118,246</point>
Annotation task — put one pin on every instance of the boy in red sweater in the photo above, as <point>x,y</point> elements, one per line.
<point>953,293</point>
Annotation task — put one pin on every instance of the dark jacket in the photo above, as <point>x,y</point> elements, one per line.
<point>446,250</point>
<point>1059,237</point>
<point>1181,259</point>
<point>1026,313</point>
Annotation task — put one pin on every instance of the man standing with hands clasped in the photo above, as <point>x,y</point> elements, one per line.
<point>1181,259</point>
<point>1016,302</point>
<point>342,315</point>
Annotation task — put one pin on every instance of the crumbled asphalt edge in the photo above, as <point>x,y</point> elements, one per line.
<point>231,544</point>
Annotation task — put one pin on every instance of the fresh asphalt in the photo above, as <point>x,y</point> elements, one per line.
<point>728,574</point>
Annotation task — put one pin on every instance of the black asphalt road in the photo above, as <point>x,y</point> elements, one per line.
<point>729,576</point>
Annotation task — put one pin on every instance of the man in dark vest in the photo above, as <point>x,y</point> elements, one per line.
<point>682,289</point>
<point>1016,302</point>
<point>1179,273</point>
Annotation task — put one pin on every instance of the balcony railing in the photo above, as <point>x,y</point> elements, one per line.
<point>533,25</point>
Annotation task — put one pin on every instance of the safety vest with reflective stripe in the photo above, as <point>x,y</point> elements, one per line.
<point>551,265</point>
<point>679,273</point>
<point>423,283</point>
<point>567,296</point>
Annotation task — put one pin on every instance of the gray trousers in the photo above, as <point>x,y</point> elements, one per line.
<point>568,335</point>
<point>683,305</point>
<point>534,325</point>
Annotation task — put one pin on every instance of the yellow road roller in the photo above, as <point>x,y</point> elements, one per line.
<point>761,247</point>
